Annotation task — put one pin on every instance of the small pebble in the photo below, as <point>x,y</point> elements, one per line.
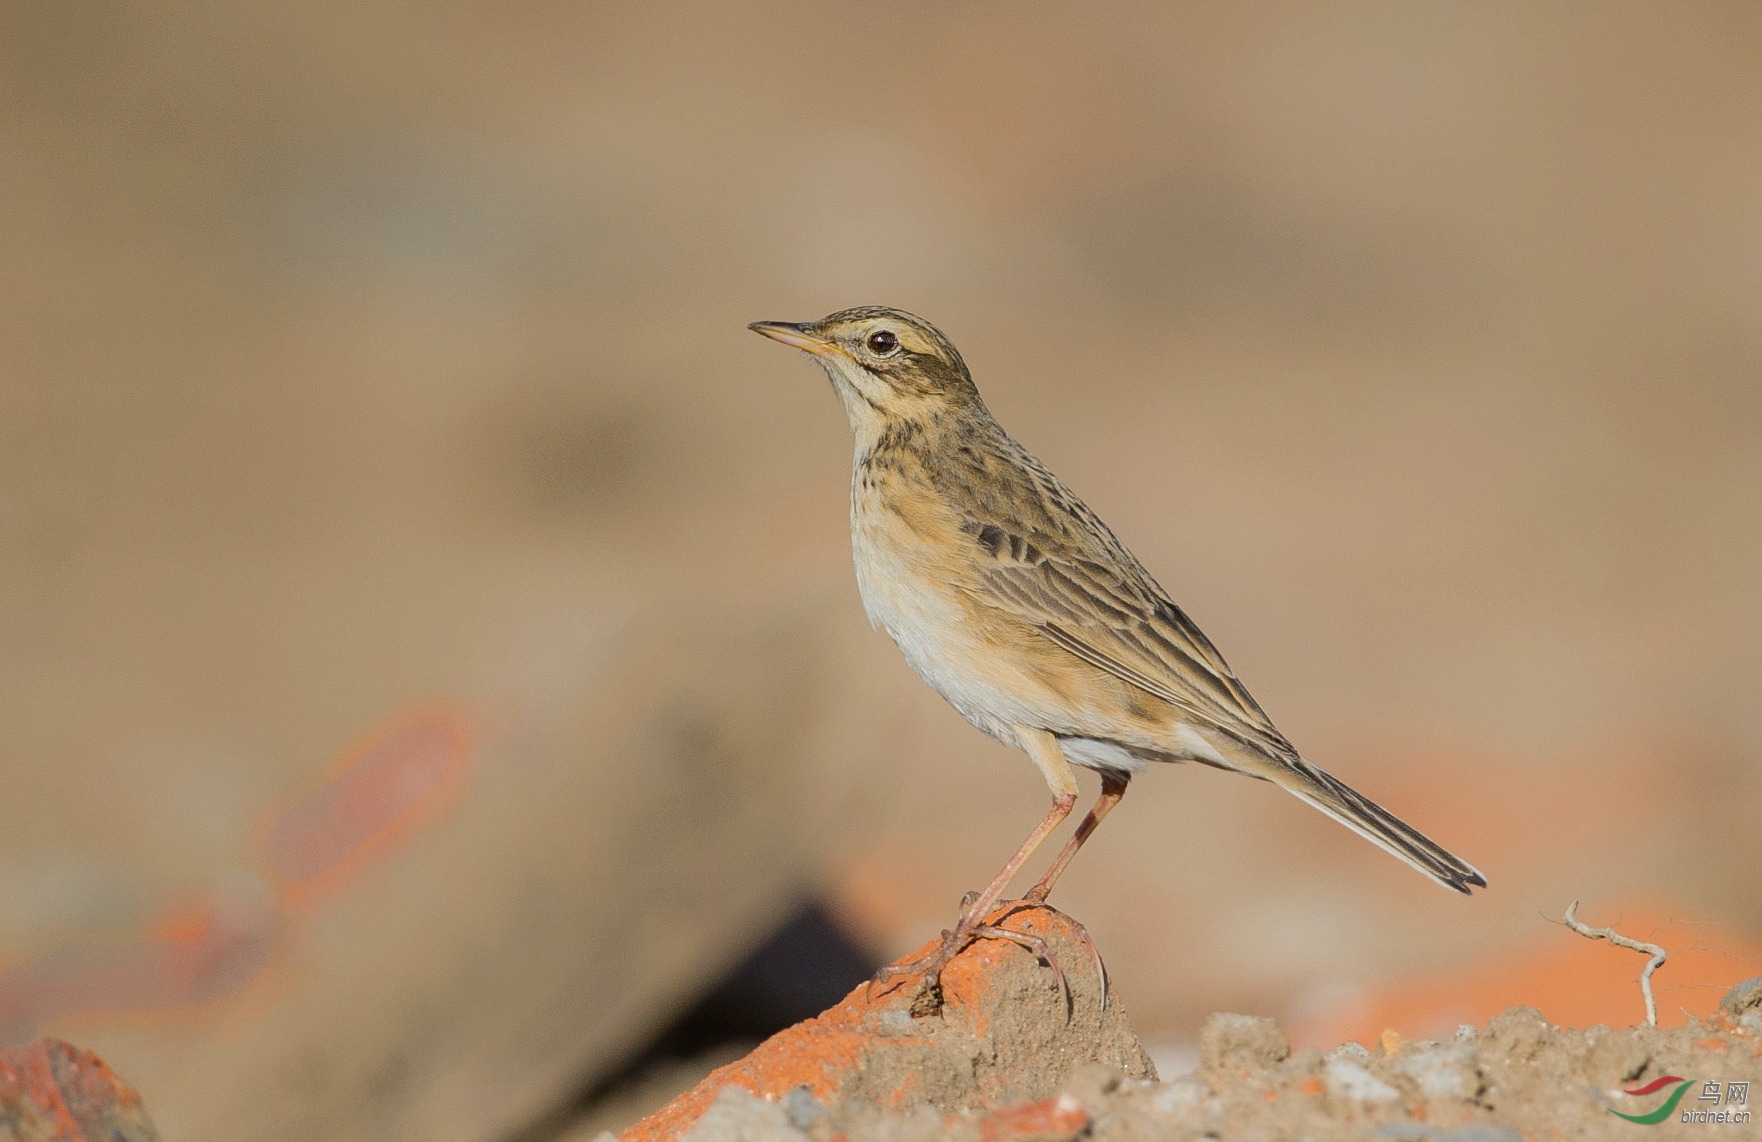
<point>1347,1079</point>
<point>1357,1052</point>
<point>1442,1070</point>
<point>1182,1094</point>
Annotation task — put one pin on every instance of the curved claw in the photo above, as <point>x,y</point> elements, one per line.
<point>1100,967</point>
<point>881,976</point>
<point>929,997</point>
<point>1037,946</point>
<point>930,965</point>
<point>1082,934</point>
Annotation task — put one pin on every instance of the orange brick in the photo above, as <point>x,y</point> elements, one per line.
<point>1042,1121</point>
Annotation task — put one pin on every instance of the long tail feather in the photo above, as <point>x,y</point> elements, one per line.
<point>1371,821</point>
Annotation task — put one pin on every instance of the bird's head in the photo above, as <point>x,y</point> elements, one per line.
<point>885,363</point>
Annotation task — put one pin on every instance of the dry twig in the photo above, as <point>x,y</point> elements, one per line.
<point>1658,956</point>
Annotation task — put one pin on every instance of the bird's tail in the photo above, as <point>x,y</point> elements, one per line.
<point>1370,821</point>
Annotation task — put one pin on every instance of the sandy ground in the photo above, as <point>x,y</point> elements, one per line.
<point>1515,1078</point>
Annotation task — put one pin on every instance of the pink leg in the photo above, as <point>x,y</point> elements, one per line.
<point>971,924</point>
<point>1043,748</point>
<point>1113,787</point>
<point>1061,808</point>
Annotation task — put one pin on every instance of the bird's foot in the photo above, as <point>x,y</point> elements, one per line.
<point>1036,898</point>
<point>970,928</point>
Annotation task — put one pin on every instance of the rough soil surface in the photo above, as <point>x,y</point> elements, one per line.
<point>53,1092</point>
<point>1005,1036</point>
<point>1003,1064</point>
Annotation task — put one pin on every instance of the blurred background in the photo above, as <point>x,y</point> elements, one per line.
<point>435,695</point>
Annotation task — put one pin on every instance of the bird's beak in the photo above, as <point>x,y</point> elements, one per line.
<point>798,336</point>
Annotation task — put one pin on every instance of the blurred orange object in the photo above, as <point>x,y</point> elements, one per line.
<point>1573,981</point>
<point>381,792</point>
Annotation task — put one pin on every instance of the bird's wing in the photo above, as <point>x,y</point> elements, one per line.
<point>1062,571</point>
<point>1042,556</point>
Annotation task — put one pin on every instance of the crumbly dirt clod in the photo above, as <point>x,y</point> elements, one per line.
<point>1005,1037</point>
<point>1228,1041</point>
<point>1516,1078</point>
<point>1746,996</point>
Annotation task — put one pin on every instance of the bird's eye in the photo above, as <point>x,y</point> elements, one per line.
<point>882,342</point>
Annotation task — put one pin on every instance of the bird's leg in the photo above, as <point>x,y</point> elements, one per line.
<point>1113,787</point>
<point>1038,947</point>
<point>970,926</point>
<point>1043,748</point>
<point>977,906</point>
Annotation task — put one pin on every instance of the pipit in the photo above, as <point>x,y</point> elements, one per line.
<point>1017,604</point>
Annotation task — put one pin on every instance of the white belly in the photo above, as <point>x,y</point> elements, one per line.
<point>933,630</point>
<point>927,620</point>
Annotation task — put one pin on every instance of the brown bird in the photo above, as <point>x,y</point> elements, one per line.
<point>1017,604</point>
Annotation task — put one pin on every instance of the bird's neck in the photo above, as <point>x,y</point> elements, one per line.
<point>883,443</point>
